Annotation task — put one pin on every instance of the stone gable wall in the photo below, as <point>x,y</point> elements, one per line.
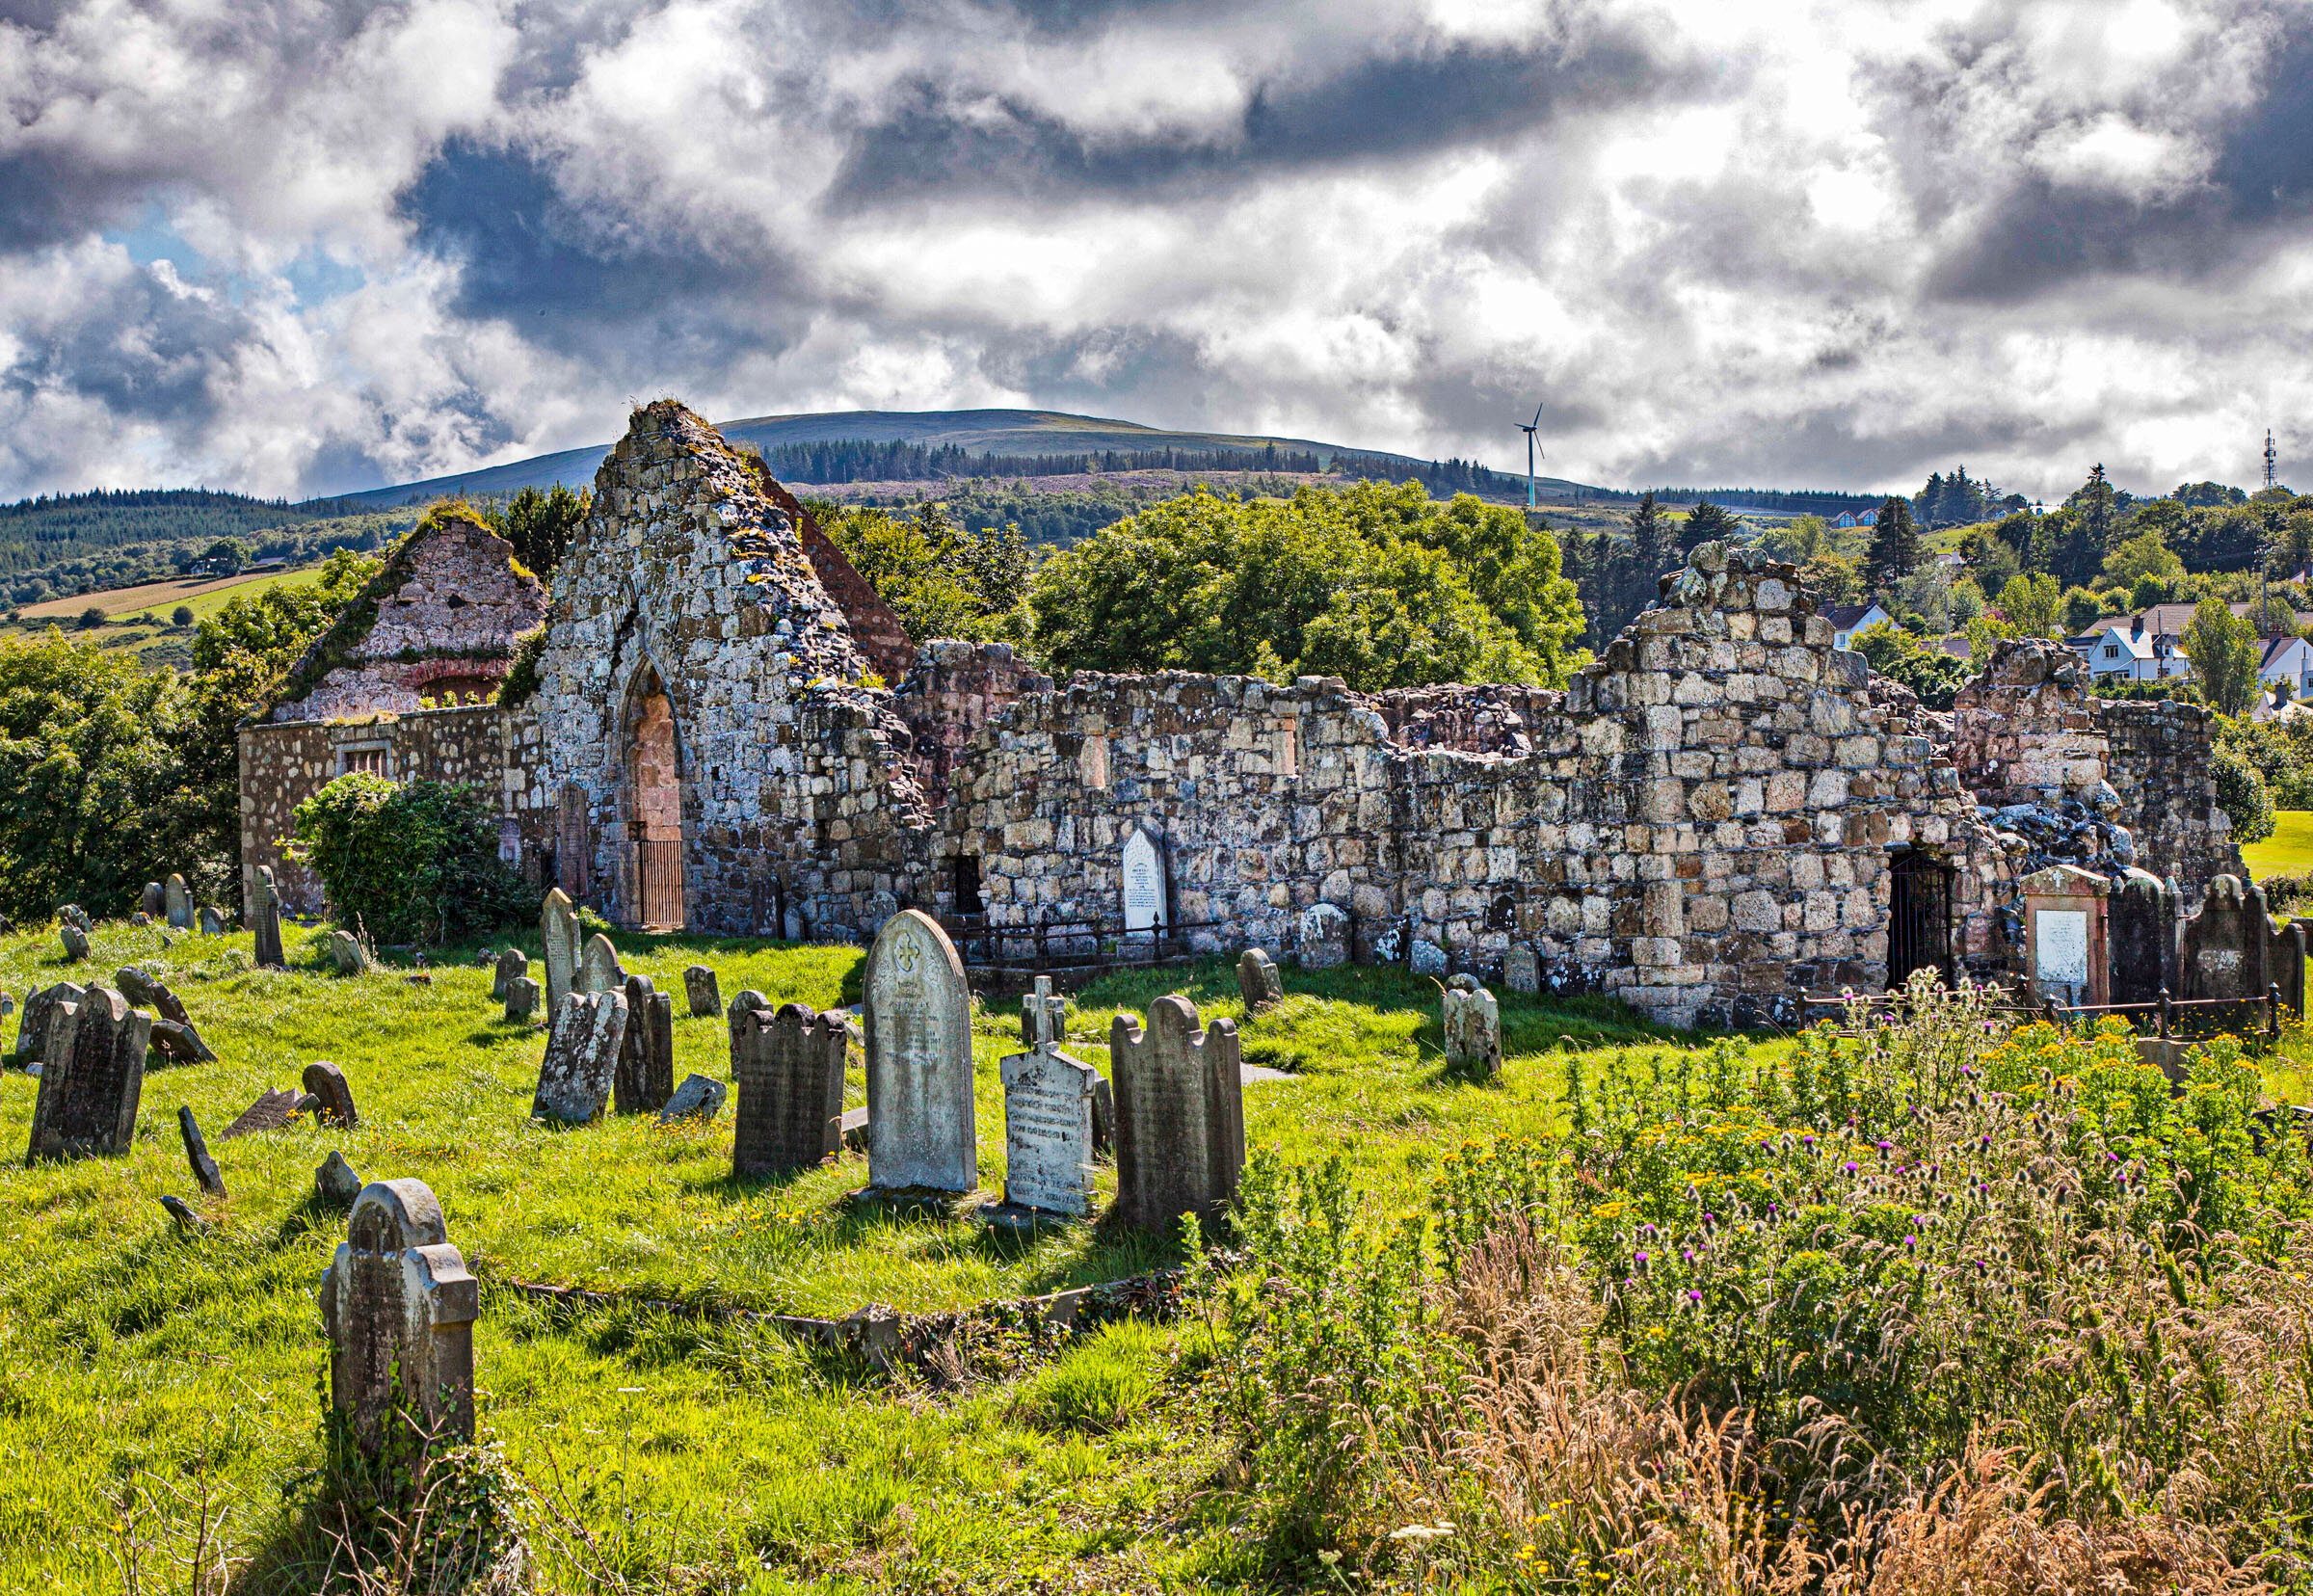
<point>2158,758</point>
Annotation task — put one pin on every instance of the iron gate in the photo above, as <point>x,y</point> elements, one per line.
<point>1919,928</point>
<point>658,867</point>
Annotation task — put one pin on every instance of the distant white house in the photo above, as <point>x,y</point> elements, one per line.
<point>2126,647</point>
<point>2288,662</point>
<point>1847,620</point>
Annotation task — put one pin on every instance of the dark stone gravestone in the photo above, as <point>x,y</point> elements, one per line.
<point>1257,982</point>
<point>265,921</point>
<point>75,941</point>
<point>698,1098</point>
<point>558,933</point>
<point>582,1057</point>
<point>2285,962</point>
<point>206,1173</point>
<point>181,1044</point>
<point>789,1069</point>
<point>1179,1116</point>
<point>521,997</point>
<point>598,967</point>
<point>921,1133</point>
<point>146,989</point>
<point>179,901</point>
<point>155,901</point>
<point>1042,1016</point>
<point>326,1083</point>
<point>91,1076</point>
<point>2221,951</point>
<point>512,966</point>
<point>646,1076</point>
<point>1522,970</point>
<point>706,995</point>
<point>335,1184</point>
<point>399,1307</point>
<point>270,1112</point>
<point>31,1028</point>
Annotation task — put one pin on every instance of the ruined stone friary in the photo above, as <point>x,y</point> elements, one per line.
<point>730,732</point>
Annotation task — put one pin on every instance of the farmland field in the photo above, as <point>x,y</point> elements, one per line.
<point>163,643</point>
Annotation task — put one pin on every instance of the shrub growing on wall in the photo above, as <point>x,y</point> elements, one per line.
<point>408,861</point>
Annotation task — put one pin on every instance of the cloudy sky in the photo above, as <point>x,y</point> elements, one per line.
<point>298,246</point>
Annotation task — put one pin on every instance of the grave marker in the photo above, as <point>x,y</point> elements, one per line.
<point>399,1307</point>
<point>1047,1132</point>
<point>521,997</point>
<point>270,1112</point>
<point>155,900</point>
<point>1521,970</point>
<point>1257,982</point>
<point>2220,950</point>
<point>699,1097</point>
<point>1180,1115</point>
<point>206,1173</point>
<point>32,1029</point>
<point>920,1130</point>
<point>75,941</point>
<point>1324,940</point>
<point>513,965</point>
<point>265,919</point>
<point>180,903</point>
<point>789,1069</point>
<point>2140,933</point>
<point>326,1083</point>
<point>91,1076</point>
<point>646,1076</point>
<point>335,1182</point>
<point>699,986</point>
<point>1042,1016</point>
<point>558,933</point>
<point>2064,946</point>
<point>1144,883</point>
<point>598,967</point>
<point>582,1057</point>
<point>212,922</point>
<point>1472,1029</point>
<point>340,949</point>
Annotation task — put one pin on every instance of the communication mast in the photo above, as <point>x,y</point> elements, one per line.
<point>2269,456</point>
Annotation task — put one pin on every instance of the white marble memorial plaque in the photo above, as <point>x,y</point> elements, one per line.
<point>1144,883</point>
<point>2063,951</point>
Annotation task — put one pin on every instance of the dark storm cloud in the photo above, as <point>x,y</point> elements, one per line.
<point>143,352</point>
<point>47,197</point>
<point>945,137</point>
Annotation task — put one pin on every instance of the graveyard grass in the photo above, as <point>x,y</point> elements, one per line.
<point>152,1382</point>
<point>2288,851</point>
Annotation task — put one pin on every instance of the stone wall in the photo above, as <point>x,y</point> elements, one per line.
<point>2159,759</point>
<point>439,623</point>
<point>283,764</point>
<point>953,689</point>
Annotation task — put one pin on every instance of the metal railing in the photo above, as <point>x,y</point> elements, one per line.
<point>1056,946</point>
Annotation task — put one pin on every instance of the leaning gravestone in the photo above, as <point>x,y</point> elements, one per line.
<point>399,1307</point>
<point>698,1098</point>
<point>342,950</point>
<point>789,1068</point>
<point>2141,930</point>
<point>646,1076</point>
<point>521,997</point>
<point>1179,1116</point>
<point>266,919</point>
<point>146,989</point>
<point>1257,982</point>
<point>212,922</point>
<point>155,900</point>
<point>1324,943</point>
<point>75,941</point>
<point>705,996</point>
<point>270,1112</point>
<point>32,1030</point>
<point>920,1130</point>
<point>181,1044</point>
<point>558,933</point>
<point>1521,970</point>
<point>1047,1132</point>
<point>335,1182</point>
<point>1472,1029</point>
<point>512,966</point>
<point>206,1173</point>
<point>180,903</point>
<point>326,1083</point>
<point>92,1075</point>
<point>1042,1016</point>
<point>2285,962</point>
<point>582,1057</point>
<point>598,967</point>
<point>73,913</point>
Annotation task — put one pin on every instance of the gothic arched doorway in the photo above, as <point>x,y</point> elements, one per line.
<point>654,807</point>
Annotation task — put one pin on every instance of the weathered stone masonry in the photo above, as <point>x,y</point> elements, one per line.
<point>1708,821</point>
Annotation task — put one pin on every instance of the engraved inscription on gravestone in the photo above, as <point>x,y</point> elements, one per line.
<point>1180,1115</point>
<point>1047,1132</point>
<point>582,1057</point>
<point>92,1076</point>
<point>1144,883</point>
<point>920,1130</point>
<point>399,1307</point>
<point>788,1069</point>
<point>558,932</point>
<point>2063,947</point>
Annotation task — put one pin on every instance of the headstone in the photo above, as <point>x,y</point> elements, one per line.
<point>789,1069</point>
<point>1179,1116</point>
<point>699,1097</point>
<point>181,1044</point>
<point>1324,940</point>
<point>182,1213</point>
<point>76,943</point>
<point>155,901</point>
<point>179,902</point>
<point>399,1307</point>
<point>206,1173</point>
<point>1144,902</point>
<point>919,1012</point>
<point>32,1030</point>
<point>1257,982</point>
<point>521,997</point>
<point>1042,1016</point>
<point>646,1076</point>
<point>1521,970</point>
<point>2065,948</point>
<point>1473,1030</point>
<point>270,1112</point>
<point>265,919</point>
<point>2285,963</point>
<point>1047,1132</point>
<point>326,1082</point>
<point>2140,939</point>
<point>212,922</point>
<point>705,996</point>
<point>2220,950</point>
<point>335,1182</point>
<point>513,965</point>
<point>91,1076</point>
<point>1428,957</point>
<point>74,914</point>
<point>147,990</point>
<point>558,933</point>
<point>582,1057</point>
<point>340,949</point>
<point>598,967</point>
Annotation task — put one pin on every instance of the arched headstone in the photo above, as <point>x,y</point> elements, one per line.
<point>399,1307</point>
<point>558,932</point>
<point>1144,902</point>
<point>920,1130</point>
<point>1180,1115</point>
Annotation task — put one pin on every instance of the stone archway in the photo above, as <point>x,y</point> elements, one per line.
<point>655,806</point>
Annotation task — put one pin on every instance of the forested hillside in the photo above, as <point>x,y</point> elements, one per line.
<point>82,542</point>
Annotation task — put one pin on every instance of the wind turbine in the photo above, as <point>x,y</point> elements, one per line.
<point>1530,454</point>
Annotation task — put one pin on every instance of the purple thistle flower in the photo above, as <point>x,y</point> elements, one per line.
<point>1848,1168</point>
<point>1694,1297</point>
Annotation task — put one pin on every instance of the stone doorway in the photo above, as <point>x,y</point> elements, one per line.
<point>1919,921</point>
<point>654,809</point>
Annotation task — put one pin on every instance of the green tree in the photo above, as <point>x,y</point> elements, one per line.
<point>1895,543</point>
<point>408,861</point>
<point>230,553</point>
<point>2223,647</point>
<point>1706,522</point>
<point>1651,538</point>
<point>540,525</point>
<point>2142,555</point>
<point>1935,676</point>
<point>2029,606</point>
<point>2082,609</point>
<point>2242,793</point>
<point>92,618</point>
<point>182,616</point>
<point>940,578</point>
<point>1380,585</point>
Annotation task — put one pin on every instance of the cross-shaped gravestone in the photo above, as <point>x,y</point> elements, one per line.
<point>646,1076</point>
<point>91,1076</point>
<point>399,1307</point>
<point>582,1057</point>
<point>1180,1115</point>
<point>789,1069</point>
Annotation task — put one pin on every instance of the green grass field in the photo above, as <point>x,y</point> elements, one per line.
<point>140,1366</point>
<point>2288,851</point>
<point>160,642</point>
